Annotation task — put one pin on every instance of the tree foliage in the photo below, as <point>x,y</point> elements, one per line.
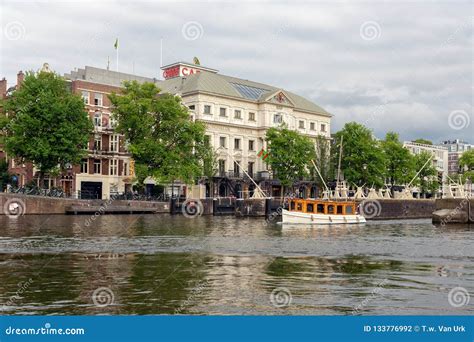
<point>164,142</point>
<point>5,176</point>
<point>44,123</point>
<point>290,154</point>
<point>427,179</point>
<point>423,141</point>
<point>322,159</point>
<point>399,162</point>
<point>466,162</point>
<point>363,160</point>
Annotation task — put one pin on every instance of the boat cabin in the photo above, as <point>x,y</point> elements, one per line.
<point>322,207</point>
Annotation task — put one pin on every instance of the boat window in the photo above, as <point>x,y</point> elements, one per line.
<point>299,206</point>
<point>339,209</point>
<point>309,208</point>
<point>320,209</point>
<point>330,209</point>
<point>349,209</point>
<point>292,205</point>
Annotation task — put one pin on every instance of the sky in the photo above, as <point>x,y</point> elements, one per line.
<point>403,66</point>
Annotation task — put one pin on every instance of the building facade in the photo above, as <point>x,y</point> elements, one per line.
<point>440,156</point>
<point>237,114</point>
<point>455,150</point>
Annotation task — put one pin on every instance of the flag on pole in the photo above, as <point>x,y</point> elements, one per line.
<point>117,50</point>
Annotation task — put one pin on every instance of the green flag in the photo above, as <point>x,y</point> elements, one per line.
<point>116,44</point>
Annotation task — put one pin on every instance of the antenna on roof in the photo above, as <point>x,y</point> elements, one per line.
<point>161,52</point>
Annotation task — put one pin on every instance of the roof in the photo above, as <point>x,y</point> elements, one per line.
<point>234,87</point>
<point>207,82</point>
<point>104,76</point>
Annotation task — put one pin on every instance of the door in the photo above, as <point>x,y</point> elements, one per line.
<point>91,190</point>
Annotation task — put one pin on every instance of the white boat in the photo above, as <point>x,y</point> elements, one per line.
<point>314,211</point>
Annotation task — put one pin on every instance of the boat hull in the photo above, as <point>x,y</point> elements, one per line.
<point>304,218</point>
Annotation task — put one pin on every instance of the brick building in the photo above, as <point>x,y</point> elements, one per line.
<point>237,114</point>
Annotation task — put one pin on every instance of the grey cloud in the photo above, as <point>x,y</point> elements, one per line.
<point>420,65</point>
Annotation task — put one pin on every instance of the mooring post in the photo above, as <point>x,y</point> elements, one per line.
<point>173,206</point>
<point>268,207</point>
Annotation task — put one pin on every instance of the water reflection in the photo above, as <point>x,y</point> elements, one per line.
<point>173,265</point>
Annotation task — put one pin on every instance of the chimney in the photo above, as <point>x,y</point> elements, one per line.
<point>3,88</point>
<point>19,79</point>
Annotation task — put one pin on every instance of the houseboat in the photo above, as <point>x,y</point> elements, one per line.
<point>319,211</point>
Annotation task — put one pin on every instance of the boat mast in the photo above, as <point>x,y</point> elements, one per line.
<point>319,173</point>
<point>339,164</point>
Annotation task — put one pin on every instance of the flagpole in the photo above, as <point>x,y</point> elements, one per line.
<point>117,58</point>
<point>161,52</point>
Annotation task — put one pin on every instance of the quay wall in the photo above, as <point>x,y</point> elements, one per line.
<point>454,210</point>
<point>38,205</point>
<point>374,209</point>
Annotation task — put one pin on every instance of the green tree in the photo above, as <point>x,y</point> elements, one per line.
<point>47,124</point>
<point>164,142</point>
<point>322,159</point>
<point>5,176</point>
<point>290,154</point>
<point>423,141</point>
<point>399,162</point>
<point>466,162</point>
<point>363,160</point>
<point>427,179</point>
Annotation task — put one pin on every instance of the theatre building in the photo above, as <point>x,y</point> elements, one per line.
<point>237,114</point>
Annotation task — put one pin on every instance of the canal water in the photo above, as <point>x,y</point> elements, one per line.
<point>160,264</point>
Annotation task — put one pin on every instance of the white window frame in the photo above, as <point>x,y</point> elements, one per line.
<point>85,96</point>
<point>225,142</point>
<point>237,141</point>
<point>84,166</point>
<point>204,110</point>
<point>254,116</point>
<point>113,167</point>
<point>114,143</point>
<point>100,166</point>
<point>97,118</point>
<point>280,118</point>
<point>100,99</point>
<point>253,145</point>
<point>98,142</point>
<point>239,115</point>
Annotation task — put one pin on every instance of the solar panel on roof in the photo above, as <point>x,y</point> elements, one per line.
<point>248,92</point>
